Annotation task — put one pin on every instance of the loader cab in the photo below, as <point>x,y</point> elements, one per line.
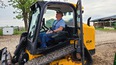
<point>43,16</point>
<point>63,49</point>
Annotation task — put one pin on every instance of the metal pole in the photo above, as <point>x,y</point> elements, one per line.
<point>81,29</point>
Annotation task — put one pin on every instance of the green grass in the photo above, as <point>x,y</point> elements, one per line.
<point>102,29</point>
<point>0,31</point>
<point>16,32</point>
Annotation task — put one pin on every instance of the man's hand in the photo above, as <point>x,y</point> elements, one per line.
<point>48,32</point>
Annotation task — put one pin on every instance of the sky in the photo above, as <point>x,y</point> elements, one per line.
<point>92,8</point>
<point>7,16</point>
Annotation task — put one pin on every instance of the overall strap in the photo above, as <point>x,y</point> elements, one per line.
<point>54,25</point>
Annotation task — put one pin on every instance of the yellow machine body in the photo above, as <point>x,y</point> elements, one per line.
<point>89,36</point>
<point>30,47</point>
<point>89,42</point>
<point>65,62</point>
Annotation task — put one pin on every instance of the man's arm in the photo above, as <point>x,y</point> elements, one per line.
<point>59,29</point>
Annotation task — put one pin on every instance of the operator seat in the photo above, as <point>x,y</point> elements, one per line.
<point>58,37</point>
<point>69,30</point>
<point>61,36</point>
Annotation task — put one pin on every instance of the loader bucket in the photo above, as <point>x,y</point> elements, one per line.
<point>1,52</point>
<point>5,57</point>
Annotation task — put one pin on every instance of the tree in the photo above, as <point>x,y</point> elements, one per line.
<point>22,9</point>
<point>2,5</point>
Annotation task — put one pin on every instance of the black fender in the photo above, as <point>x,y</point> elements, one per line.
<point>22,43</point>
<point>88,57</point>
<point>21,46</point>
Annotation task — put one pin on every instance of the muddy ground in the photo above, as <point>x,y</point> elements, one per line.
<point>105,46</point>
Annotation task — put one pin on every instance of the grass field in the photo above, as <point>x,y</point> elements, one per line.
<point>16,31</point>
<point>102,29</point>
<point>0,31</point>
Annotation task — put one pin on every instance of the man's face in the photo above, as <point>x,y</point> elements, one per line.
<point>58,15</point>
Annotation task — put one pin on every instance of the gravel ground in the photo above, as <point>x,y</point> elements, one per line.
<point>105,46</point>
<point>10,42</point>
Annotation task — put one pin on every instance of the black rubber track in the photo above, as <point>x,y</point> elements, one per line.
<point>43,60</point>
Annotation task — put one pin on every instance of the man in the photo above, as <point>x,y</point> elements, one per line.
<point>57,26</point>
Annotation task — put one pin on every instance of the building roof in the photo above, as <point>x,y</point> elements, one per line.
<point>105,19</point>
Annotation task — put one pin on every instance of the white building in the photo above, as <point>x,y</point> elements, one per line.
<point>8,31</point>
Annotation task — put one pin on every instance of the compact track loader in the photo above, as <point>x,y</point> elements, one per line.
<point>63,49</point>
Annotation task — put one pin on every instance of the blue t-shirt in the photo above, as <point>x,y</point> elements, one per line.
<point>57,24</point>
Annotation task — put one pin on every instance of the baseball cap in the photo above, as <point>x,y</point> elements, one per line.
<point>59,12</point>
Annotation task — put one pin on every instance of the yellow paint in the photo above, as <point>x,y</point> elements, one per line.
<point>65,62</point>
<point>32,56</point>
<point>73,41</point>
<point>76,5</point>
<point>89,36</point>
